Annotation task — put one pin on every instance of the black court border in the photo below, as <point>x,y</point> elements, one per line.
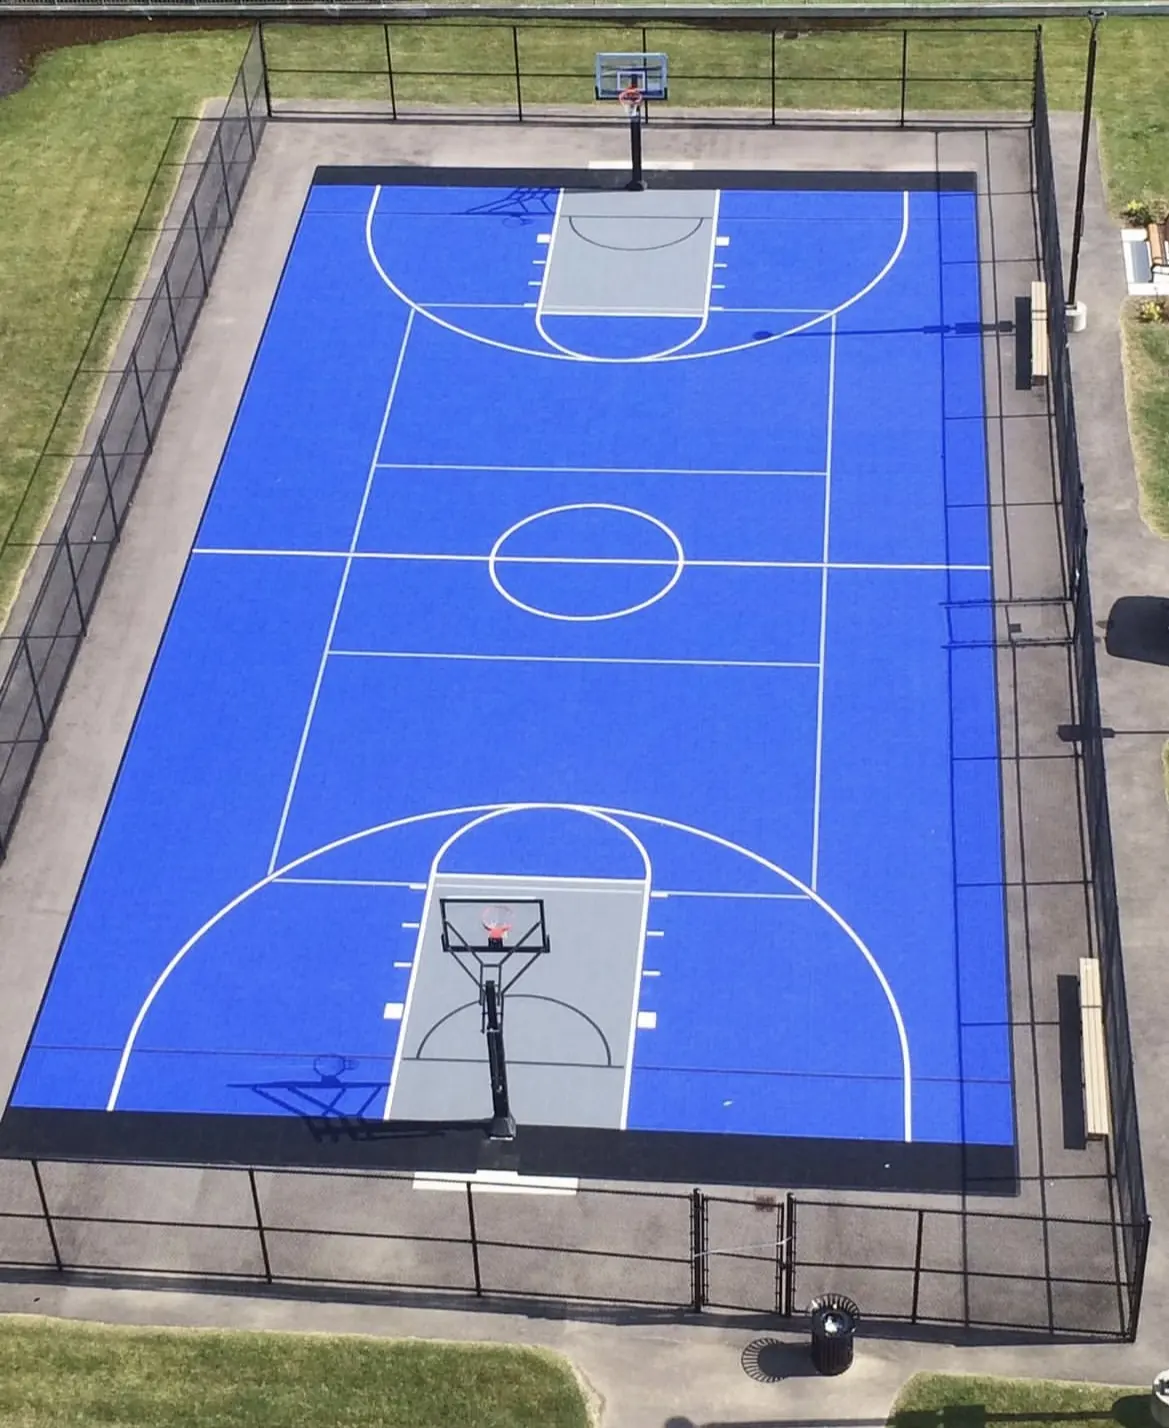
<point>794,180</point>
<point>321,1142</point>
<point>334,1142</point>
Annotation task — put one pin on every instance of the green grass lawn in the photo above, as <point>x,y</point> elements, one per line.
<point>80,144</point>
<point>931,1400</point>
<point>56,1374</point>
<point>79,147</point>
<point>1146,375</point>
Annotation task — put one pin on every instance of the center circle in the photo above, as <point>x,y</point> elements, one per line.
<point>674,566</point>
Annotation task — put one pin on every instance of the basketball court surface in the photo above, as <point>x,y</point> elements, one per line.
<point>629,551</point>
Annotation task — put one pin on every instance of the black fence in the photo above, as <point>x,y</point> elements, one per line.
<point>1125,1141</point>
<point>68,565</point>
<point>766,1253</point>
<point>758,72</point>
<point>664,1251</point>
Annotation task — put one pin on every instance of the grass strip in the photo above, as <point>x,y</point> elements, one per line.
<point>58,1374</point>
<point>936,1400</point>
<point>1146,369</point>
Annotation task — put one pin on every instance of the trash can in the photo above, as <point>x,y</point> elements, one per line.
<point>834,1321</point>
<point>1159,1403</point>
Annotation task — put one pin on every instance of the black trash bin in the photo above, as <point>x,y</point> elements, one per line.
<point>834,1321</point>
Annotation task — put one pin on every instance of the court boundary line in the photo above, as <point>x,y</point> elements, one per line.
<point>554,356</point>
<point>340,598</point>
<point>415,818</point>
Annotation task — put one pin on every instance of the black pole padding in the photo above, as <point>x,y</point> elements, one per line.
<point>1085,136</point>
<point>637,182</point>
<point>502,1121</point>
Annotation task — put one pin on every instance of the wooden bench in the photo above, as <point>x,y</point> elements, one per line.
<point>1040,351</point>
<point>1155,233</point>
<point>1096,1121</point>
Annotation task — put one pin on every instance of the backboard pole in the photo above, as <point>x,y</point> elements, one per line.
<point>637,182</point>
<point>502,1120</point>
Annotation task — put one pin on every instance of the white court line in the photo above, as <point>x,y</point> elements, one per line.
<point>353,882</point>
<point>763,897</point>
<point>412,820</point>
<point>458,559</point>
<point>497,1182</point>
<point>673,356</point>
<point>324,662</point>
<point>488,816</point>
<point>521,306</point>
<point>595,470</point>
<point>679,314</point>
<point>577,659</point>
<point>599,884</point>
<point>819,754</point>
<point>665,353</point>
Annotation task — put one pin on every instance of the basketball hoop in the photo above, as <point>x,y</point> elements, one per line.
<point>497,922</point>
<point>631,99</point>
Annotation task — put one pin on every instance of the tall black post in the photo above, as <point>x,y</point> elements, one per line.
<point>1085,134</point>
<point>637,182</point>
<point>502,1120</point>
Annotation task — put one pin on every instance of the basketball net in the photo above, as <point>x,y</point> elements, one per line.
<point>630,99</point>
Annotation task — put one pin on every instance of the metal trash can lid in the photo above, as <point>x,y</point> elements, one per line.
<point>834,1314</point>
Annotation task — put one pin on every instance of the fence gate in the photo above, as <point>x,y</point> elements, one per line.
<point>744,1254</point>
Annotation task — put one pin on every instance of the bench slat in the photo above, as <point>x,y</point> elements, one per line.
<point>1156,239</point>
<point>1039,349</point>
<point>1096,1117</point>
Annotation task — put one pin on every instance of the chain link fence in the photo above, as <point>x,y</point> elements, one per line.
<point>661,1250</point>
<point>65,575</point>
<point>767,1253</point>
<point>1125,1140</point>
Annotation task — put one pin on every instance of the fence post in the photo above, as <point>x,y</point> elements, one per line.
<point>36,1173</point>
<point>697,1250</point>
<point>789,1300</point>
<point>264,70</point>
<point>474,1239</point>
<point>243,79</point>
<point>773,76</point>
<point>260,1224</point>
<point>904,75</point>
<point>390,73</point>
<point>917,1266</point>
<point>1085,140</point>
<point>519,85</point>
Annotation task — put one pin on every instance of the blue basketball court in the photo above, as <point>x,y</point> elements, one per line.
<point>601,543</point>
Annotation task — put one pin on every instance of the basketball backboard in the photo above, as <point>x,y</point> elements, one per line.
<point>617,72</point>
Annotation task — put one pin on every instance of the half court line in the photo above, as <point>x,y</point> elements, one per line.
<point>444,557</point>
